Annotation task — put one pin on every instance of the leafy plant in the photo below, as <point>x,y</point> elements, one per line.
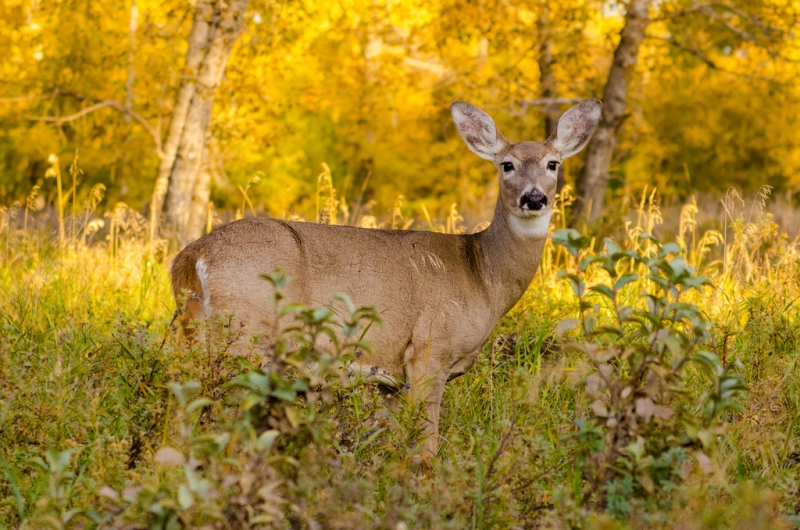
<point>644,344</point>
<point>295,375</point>
<point>53,508</point>
<point>262,406</point>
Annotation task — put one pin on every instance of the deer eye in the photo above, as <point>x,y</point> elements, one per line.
<point>508,166</point>
<point>552,165</point>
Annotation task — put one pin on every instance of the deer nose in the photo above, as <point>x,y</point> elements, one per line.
<point>533,200</point>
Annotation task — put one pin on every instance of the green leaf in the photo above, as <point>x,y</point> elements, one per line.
<point>293,416</point>
<point>570,239</point>
<point>184,392</point>
<point>611,246</point>
<point>626,254</point>
<point>251,401</point>
<point>59,460</point>
<point>565,325</point>
<point>624,280</point>
<point>569,276</point>
<point>363,445</point>
<point>278,278</point>
<point>347,301</point>
<point>709,361</point>
<point>210,444</point>
<point>678,265</point>
<point>199,404</point>
<point>611,330</point>
<point>332,335</point>
<point>222,440</point>
<point>39,462</point>
<point>605,291</point>
<point>300,385</point>
<point>285,394</point>
<point>706,437</point>
<point>646,482</point>
<point>321,314</point>
<point>669,248</point>
<point>625,312</point>
<point>658,280</point>
<point>610,267</point>
<point>696,282</point>
<point>578,287</point>
<point>72,513</point>
<point>185,497</point>
<point>292,309</point>
<point>586,261</point>
<point>266,440</point>
<point>673,345</point>
<point>258,382</point>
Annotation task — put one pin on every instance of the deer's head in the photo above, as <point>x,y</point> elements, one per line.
<point>528,171</point>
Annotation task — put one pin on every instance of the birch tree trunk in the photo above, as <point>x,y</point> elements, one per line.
<point>593,178</point>
<point>547,84</point>
<point>198,40</point>
<point>215,27</point>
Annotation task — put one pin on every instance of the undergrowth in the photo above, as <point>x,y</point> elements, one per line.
<point>646,384</point>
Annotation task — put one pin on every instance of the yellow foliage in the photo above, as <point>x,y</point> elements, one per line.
<point>365,87</point>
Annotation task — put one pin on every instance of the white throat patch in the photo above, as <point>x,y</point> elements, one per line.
<point>535,226</point>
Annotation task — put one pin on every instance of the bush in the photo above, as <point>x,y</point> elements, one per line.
<point>643,419</point>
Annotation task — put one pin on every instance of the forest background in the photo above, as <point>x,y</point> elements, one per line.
<point>705,98</point>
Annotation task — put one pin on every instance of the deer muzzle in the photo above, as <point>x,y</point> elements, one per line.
<point>533,200</point>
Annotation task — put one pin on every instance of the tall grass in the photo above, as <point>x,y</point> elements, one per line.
<point>107,420</point>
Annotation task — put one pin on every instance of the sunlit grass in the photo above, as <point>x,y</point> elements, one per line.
<point>87,356</point>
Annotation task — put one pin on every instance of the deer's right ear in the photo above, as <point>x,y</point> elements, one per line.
<point>478,130</point>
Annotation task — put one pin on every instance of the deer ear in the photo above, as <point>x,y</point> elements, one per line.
<point>478,130</point>
<point>576,127</point>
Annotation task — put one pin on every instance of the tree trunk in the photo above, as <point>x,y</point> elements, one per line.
<point>217,25</point>
<point>593,179</point>
<point>547,83</point>
<point>198,215</point>
<point>198,42</point>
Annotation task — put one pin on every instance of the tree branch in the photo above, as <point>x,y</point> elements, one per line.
<point>710,63</point>
<point>21,98</point>
<point>549,101</point>
<point>733,29</point>
<point>58,120</point>
<point>543,102</point>
<point>669,15</point>
<point>753,19</point>
<point>760,32</point>
<point>500,450</point>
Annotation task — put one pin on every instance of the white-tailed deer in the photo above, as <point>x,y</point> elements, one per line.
<point>439,295</point>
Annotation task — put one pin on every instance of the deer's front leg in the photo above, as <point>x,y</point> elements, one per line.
<point>427,386</point>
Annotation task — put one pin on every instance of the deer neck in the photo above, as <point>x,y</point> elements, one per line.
<point>510,250</point>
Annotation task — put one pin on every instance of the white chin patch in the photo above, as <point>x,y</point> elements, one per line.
<point>535,226</point>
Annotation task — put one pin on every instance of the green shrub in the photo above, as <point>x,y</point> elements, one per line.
<point>643,416</point>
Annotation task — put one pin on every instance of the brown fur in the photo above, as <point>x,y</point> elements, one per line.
<point>186,285</point>
<point>439,295</point>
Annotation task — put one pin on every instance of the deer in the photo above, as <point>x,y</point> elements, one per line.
<point>439,296</point>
